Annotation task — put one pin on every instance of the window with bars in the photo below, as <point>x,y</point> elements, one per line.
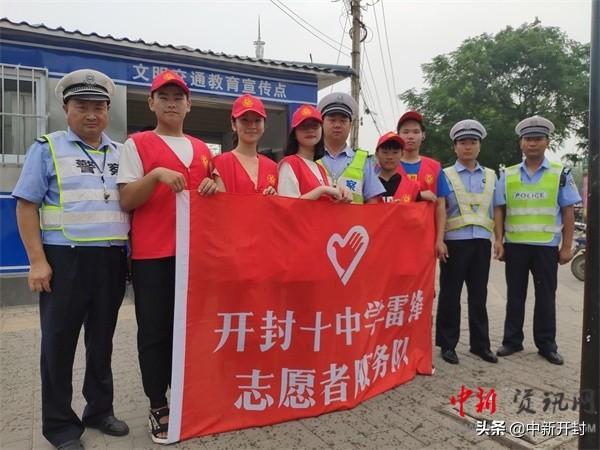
<point>22,110</point>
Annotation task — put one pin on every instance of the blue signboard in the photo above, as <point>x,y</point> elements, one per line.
<point>13,258</point>
<point>134,71</point>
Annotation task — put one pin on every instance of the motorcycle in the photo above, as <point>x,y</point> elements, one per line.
<point>578,262</point>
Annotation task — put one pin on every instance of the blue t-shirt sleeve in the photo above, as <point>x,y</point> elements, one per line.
<point>33,181</point>
<point>442,185</point>
<point>500,193</point>
<point>568,194</point>
<point>372,187</point>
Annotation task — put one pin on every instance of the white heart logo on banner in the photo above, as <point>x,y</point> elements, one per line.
<point>358,240</point>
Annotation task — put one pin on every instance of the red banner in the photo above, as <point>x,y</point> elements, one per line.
<point>291,308</point>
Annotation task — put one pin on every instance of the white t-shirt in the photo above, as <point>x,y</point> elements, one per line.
<point>130,163</point>
<point>288,183</point>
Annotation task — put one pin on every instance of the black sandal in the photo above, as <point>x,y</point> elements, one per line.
<point>156,427</point>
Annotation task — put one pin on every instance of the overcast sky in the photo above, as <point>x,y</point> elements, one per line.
<point>418,30</point>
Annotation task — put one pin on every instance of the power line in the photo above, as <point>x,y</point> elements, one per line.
<point>341,40</point>
<point>372,99</point>
<point>381,110</point>
<point>367,94</point>
<point>387,81</point>
<point>297,18</point>
<point>367,97</point>
<point>370,111</point>
<point>387,40</point>
<point>368,103</point>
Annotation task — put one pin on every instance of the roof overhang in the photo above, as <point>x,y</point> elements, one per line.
<point>326,74</point>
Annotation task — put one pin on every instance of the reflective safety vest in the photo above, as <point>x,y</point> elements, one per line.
<point>88,209</point>
<point>352,177</point>
<point>531,208</point>
<point>473,208</point>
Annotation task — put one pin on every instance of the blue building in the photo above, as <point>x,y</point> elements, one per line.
<point>35,57</point>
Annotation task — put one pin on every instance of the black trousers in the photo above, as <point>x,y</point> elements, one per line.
<point>542,261</point>
<point>469,263</point>
<point>154,289</point>
<point>88,284</point>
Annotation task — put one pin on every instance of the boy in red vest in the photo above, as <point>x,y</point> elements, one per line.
<point>398,187</point>
<point>155,165</point>
<point>426,171</point>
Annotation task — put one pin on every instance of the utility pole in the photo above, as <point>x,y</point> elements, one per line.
<point>589,408</point>
<point>355,89</point>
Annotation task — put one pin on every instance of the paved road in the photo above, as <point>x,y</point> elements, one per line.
<point>414,415</point>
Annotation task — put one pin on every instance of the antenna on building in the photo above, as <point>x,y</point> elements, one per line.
<point>259,44</point>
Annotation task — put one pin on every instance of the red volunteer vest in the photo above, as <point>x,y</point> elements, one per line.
<point>428,174</point>
<point>307,180</point>
<point>153,223</point>
<point>236,179</point>
<point>407,191</point>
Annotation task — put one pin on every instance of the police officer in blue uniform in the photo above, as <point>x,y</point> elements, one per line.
<point>469,227</point>
<point>352,168</point>
<point>75,232</point>
<point>534,214</point>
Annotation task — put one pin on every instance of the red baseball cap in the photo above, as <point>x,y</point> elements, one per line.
<point>410,115</point>
<point>246,103</point>
<point>168,77</point>
<point>306,112</point>
<point>391,136</point>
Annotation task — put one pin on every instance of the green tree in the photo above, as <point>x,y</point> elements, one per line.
<point>500,80</point>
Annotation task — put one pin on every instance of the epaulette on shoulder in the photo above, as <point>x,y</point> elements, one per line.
<point>42,139</point>
<point>563,176</point>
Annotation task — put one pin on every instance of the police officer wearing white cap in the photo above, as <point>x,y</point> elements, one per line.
<point>353,169</point>
<point>469,227</point>
<point>534,215</point>
<point>75,232</point>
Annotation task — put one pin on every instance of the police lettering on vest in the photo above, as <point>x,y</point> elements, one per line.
<point>531,208</point>
<point>88,208</point>
<point>353,176</point>
<point>530,195</point>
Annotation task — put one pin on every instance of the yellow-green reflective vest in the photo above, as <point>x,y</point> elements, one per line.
<point>352,177</point>
<point>531,208</point>
<point>88,210</point>
<point>473,208</point>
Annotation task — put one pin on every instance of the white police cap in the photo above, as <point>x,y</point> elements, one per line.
<point>468,129</point>
<point>85,84</point>
<point>338,103</point>
<point>534,126</point>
